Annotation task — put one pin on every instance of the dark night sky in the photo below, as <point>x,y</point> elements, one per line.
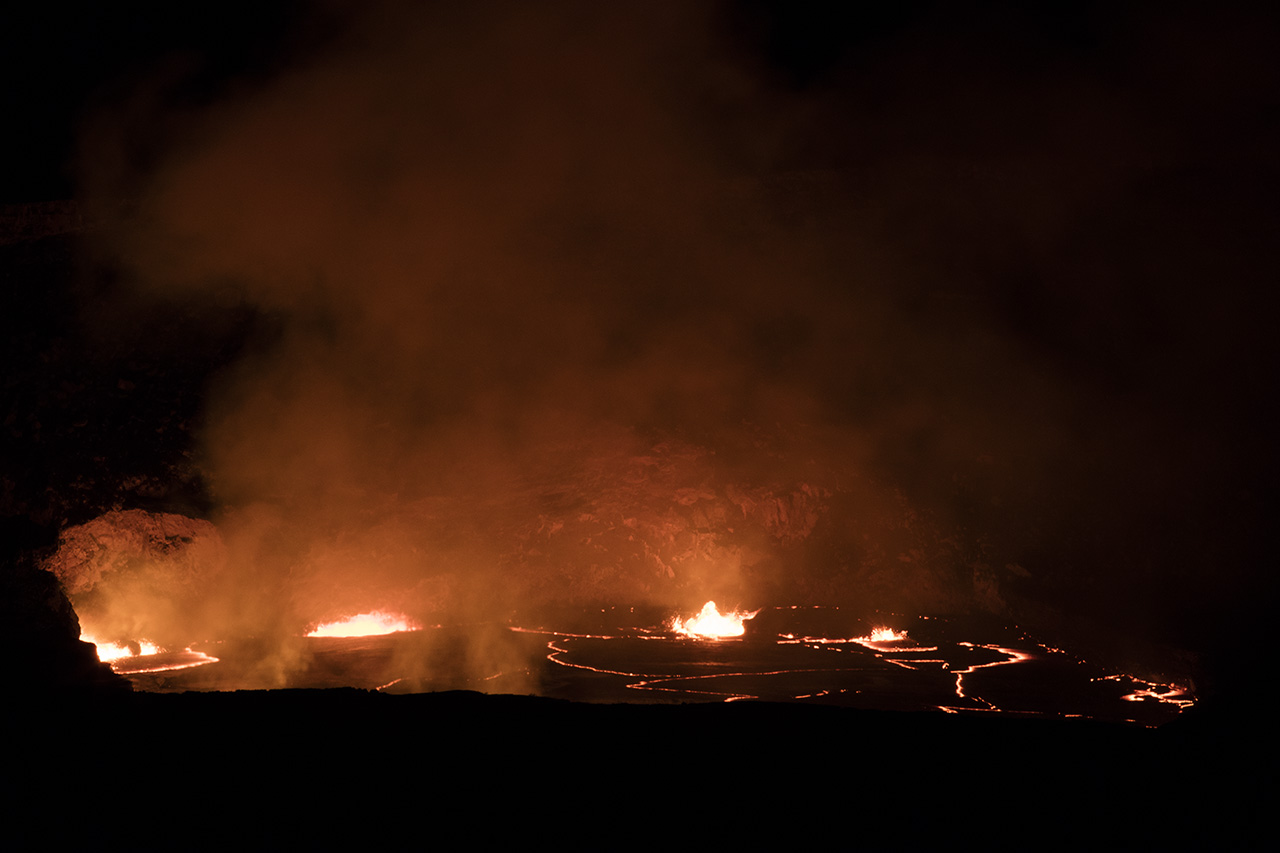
<point>1015,263</point>
<point>62,60</point>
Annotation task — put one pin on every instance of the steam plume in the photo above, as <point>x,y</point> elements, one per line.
<point>558,317</point>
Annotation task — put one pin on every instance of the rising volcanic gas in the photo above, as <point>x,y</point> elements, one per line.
<point>577,304</point>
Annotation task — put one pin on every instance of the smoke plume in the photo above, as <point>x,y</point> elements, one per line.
<point>577,302</point>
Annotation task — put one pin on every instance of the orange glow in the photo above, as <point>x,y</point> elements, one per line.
<point>883,635</point>
<point>710,623</point>
<point>1170,694</point>
<point>365,625</point>
<point>108,652</point>
<point>148,658</point>
<point>1012,656</point>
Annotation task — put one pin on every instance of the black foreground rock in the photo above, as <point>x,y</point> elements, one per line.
<point>285,767</point>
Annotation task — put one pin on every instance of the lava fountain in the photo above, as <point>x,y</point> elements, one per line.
<point>882,635</point>
<point>711,624</point>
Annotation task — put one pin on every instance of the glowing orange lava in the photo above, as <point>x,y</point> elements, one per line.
<point>883,635</point>
<point>1170,694</point>
<point>148,657</point>
<point>365,625</point>
<point>108,652</point>
<point>710,623</point>
<point>1011,656</point>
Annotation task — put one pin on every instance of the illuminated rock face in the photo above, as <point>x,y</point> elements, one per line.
<point>122,541</point>
<point>137,576</point>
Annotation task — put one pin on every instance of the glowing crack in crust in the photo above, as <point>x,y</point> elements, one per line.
<point>1011,656</point>
<point>958,660</point>
<point>890,661</point>
<point>660,682</point>
<point>1170,694</point>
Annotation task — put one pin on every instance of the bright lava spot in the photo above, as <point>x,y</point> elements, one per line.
<point>1170,694</point>
<point>710,623</point>
<point>365,625</point>
<point>884,635</point>
<point>141,657</point>
<point>108,652</point>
